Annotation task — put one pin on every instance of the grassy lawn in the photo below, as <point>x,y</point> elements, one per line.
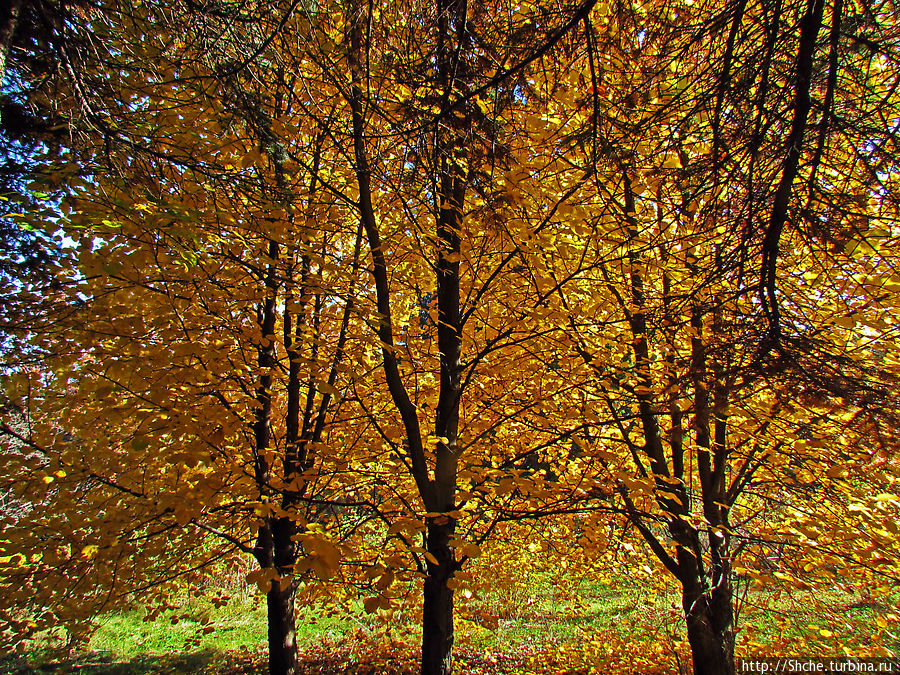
<point>237,626</point>
<point>536,627</point>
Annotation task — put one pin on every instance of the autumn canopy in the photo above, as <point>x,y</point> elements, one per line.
<point>380,295</point>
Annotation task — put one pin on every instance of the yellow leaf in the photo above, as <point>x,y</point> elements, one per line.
<point>183,515</point>
<point>836,472</point>
<point>323,556</point>
<point>326,388</point>
<point>262,578</point>
<point>672,162</point>
<point>371,605</point>
<point>471,550</point>
<point>385,580</point>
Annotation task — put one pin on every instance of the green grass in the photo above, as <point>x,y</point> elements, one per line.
<point>108,663</point>
<point>542,610</point>
<point>822,622</point>
<point>203,638</point>
<point>537,613</point>
<point>801,622</point>
<point>238,625</point>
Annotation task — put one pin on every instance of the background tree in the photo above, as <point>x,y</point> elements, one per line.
<point>684,162</point>
<point>201,311</point>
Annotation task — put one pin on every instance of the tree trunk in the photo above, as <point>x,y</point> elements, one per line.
<point>9,20</point>
<point>437,620</point>
<point>282,630</point>
<point>275,549</point>
<point>710,632</point>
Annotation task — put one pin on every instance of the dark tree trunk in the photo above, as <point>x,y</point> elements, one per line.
<point>437,620</point>
<point>282,631</point>
<point>710,631</point>
<point>275,549</point>
<point>9,20</point>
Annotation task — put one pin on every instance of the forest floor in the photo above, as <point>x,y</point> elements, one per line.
<point>534,627</point>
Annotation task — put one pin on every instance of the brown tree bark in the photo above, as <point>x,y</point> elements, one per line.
<point>437,617</point>
<point>9,20</point>
<point>274,546</point>
<point>710,631</point>
<point>282,633</point>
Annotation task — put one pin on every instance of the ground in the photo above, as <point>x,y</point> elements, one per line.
<point>529,628</point>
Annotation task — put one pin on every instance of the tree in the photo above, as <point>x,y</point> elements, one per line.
<point>684,217</point>
<point>574,270</point>
<point>431,203</point>
<point>198,244</point>
<point>198,339</point>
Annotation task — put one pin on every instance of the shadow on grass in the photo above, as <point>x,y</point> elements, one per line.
<point>207,662</point>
